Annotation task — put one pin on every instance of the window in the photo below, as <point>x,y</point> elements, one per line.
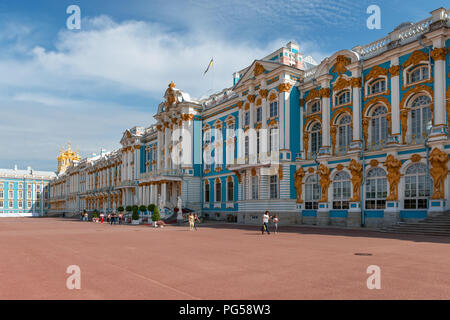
<point>20,204</point>
<point>257,141</point>
<point>316,138</point>
<point>273,187</point>
<point>255,187</point>
<point>1,194</point>
<point>246,118</point>
<point>10,194</point>
<point>258,114</point>
<point>28,204</point>
<point>208,137</point>
<point>417,187</point>
<point>1,203</point>
<point>11,185</point>
<point>218,190</point>
<point>230,189</point>
<point>420,117</point>
<point>273,108</point>
<point>345,132</point>
<point>230,130</point>
<point>341,190</point>
<point>273,143</point>
<point>379,126</point>
<point>314,106</point>
<point>20,185</point>
<point>20,194</point>
<point>377,86</point>
<point>417,74</point>
<point>206,191</point>
<point>10,204</point>
<point>342,98</point>
<point>312,192</point>
<point>376,189</point>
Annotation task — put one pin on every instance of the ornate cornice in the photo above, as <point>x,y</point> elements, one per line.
<point>415,58</point>
<point>340,65</point>
<point>312,94</point>
<point>438,53</point>
<point>284,87</point>
<point>375,72</point>
<point>341,83</point>
<point>259,69</point>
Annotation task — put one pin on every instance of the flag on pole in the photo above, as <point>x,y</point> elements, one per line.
<point>209,66</point>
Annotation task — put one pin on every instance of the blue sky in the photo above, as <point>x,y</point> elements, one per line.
<point>88,86</point>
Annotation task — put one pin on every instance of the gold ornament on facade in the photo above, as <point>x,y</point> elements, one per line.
<point>259,69</point>
<point>340,65</point>
<point>272,122</point>
<point>448,105</point>
<point>439,171</point>
<point>404,123</point>
<point>238,175</point>
<point>376,100</point>
<point>414,90</point>
<point>273,96</point>
<point>374,163</point>
<point>415,157</point>
<point>251,98</point>
<point>310,170</point>
<point>246,106</point>
<point>324,92</point>
<point>324,174</point>
<point>341,83</point>
<point>298,183</point>
<point>394,71</point>
<point>284,87</point>
<point>375,72</point>
<point>365,127</point>
<point>356,170</point>
<point>415,58</point>
<point>263,93</point>
<point>339,167</point>
<point>393,168</point>
<point>239,104</point>
<point>306,142</point>
<point>312,94</point>
<point>356,82</point>
<point>258,101</point>
<point>438,53</point>
<point>333,131</point>
<point>280,172</point>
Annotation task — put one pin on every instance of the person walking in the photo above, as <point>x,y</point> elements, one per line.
<point>191,221</point>
<point>275,221</point>
<point>196,219</point>
<point>265,225</point>
<point>101,217</point>
<point>120,218</point>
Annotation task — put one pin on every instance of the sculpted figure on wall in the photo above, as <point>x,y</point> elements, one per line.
<point>393,168</point>
<point>356,170</point>
<point>439,170</point>
<point>299,174</point>
<point>324,181</point>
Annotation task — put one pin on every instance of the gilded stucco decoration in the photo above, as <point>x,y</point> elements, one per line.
<point>393,176</point>
<point>439,171</point>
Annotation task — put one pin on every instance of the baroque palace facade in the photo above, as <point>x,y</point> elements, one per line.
<point>361,138</point>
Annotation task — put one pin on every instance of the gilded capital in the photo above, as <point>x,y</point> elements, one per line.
<point>355,82</point>
<point>284,87</point>
<point>324,92</point>
<point>438,53</point>
<point>263,93</point>
<point>251,98</point>
<point>394,71</point>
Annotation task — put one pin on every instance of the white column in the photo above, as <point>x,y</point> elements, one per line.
<point>439,87</point>
<point>325,94</point>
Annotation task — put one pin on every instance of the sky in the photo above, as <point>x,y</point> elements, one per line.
<point>88,86</point>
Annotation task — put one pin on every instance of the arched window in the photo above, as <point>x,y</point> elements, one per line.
<point>313,107</point>
<point>379,126</point>
<point>218,187</point>
<point>206,191</point>
<point>312,192</point>
<point>417,187</point>
<point>274,139</point>
<point>417,74</point>
<point>377,86</point>
<point>273,109</point>
<point>341,190</point>
<point>246,148</point>
<point>230,189</point>
<point>345,133</point>
<point>342,98</point>
<point>316,138</point>
<point>420,117</point>
<point>376,189</point>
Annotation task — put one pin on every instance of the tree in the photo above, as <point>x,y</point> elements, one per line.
<point>120,209</point>
<point>129,208</point>
<point>135,215</point>
<point>135,208</point>
<point>95,214</point>
<point>155,215</point>
<point>151,207</point>
<point>142,208</point>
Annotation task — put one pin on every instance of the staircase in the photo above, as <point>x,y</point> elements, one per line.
<point>436,226</point>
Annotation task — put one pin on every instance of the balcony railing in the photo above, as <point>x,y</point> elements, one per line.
<point>163,172</point>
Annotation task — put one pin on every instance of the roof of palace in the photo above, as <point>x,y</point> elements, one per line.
<point>28,173</point>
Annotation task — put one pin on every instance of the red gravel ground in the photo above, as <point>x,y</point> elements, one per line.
<point>220,261</point>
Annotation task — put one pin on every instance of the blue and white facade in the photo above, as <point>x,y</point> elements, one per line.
<point>24,193</point>
<point>361,138</point>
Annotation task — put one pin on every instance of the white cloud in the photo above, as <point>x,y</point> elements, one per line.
<point>107,77</point>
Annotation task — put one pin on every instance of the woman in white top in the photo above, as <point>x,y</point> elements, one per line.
<point>265,225</point>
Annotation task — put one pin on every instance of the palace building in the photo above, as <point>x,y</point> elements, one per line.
<point>359,139</point>
<point>24,193</point>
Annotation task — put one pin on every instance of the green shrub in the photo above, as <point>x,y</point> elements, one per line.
<point>95,214</point>
<point>135,208</point>
<point>135,215</point>
<point>129,208</point>
<point>120,209</point>
<point>142,208</point>
<point>155,215</point>
<point>151,207</point>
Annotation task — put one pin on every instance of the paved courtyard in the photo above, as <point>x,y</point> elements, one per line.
<point>219,261</point>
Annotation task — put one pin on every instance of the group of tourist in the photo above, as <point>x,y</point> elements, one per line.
<point>111,218</point>
<point>193,219</point>
<point>266,219</point>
